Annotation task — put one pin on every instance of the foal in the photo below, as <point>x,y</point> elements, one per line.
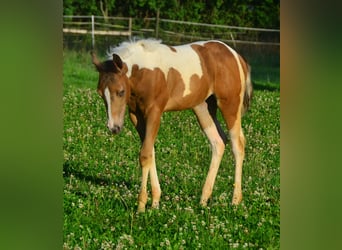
<point>151,78</point>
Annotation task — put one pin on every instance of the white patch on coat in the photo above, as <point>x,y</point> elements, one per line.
<point>151,54</point>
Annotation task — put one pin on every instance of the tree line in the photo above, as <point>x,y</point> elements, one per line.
<point>246,13</point>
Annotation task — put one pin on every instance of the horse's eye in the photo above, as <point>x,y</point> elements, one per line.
<point>121,93</point>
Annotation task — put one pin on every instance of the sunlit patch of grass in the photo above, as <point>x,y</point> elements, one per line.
<point>102,178</point>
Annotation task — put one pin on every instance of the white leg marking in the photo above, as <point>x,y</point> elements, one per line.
<point>143,190</point>
<point>238,147</point>
<point>156,191</point>
<point>110,122</point>
<point>149,169</point>
<point>217,147</point>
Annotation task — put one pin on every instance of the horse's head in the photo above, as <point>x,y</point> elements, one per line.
<point>113,87</point>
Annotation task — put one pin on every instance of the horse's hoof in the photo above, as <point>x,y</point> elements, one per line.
<point>237,200</point>
<point>141,208</point>
<point>204,203</point>
<point>155,205</point>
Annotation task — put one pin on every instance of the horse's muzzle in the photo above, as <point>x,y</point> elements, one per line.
<point>115,129</point>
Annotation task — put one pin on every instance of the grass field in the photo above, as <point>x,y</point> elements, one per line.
<point>102,175</point>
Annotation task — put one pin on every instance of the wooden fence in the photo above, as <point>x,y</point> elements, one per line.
<point>166,29</point>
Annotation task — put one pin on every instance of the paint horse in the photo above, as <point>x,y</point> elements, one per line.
<point>151,78</point>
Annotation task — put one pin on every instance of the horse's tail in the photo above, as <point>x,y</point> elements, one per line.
<point>247,98</point>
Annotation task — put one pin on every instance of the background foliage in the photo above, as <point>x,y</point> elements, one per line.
<point>248,13</point>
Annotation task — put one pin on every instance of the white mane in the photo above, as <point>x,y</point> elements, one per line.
<point>126,49</point>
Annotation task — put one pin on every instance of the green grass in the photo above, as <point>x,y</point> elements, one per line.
<point>102,175</point>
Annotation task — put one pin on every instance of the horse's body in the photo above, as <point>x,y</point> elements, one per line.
<point>152,78</point>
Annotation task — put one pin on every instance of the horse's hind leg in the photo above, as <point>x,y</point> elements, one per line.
<point>232,118</point>
<point>217,145</point>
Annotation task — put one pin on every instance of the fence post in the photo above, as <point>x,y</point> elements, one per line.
<point>130,28</point>
<point>92,31</point>
<point>157,24</point>
<point>231,35</point>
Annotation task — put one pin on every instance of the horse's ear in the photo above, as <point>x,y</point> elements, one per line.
<point>96,61</point>
<point>124,69</point>
<point>117,62</point>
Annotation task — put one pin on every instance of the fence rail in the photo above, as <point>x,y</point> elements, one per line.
<point>218,25</point>
<point>98,32</point>
<point>104,26</point>
<point>174,30</point>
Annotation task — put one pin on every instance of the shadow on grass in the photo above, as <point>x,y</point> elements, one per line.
<point>69,170</point>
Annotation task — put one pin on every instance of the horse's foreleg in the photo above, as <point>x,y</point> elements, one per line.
<point>147,162</point>
<point>217,146</point>
<point>148,166</point>
<point>142,199</point>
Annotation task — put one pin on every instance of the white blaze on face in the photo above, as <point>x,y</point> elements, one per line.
<point>110,123</point>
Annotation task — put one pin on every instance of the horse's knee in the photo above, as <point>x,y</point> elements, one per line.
<point>145,158</point>
<point>217,147</point>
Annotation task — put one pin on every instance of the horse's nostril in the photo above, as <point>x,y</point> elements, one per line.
<point>116,129</point>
